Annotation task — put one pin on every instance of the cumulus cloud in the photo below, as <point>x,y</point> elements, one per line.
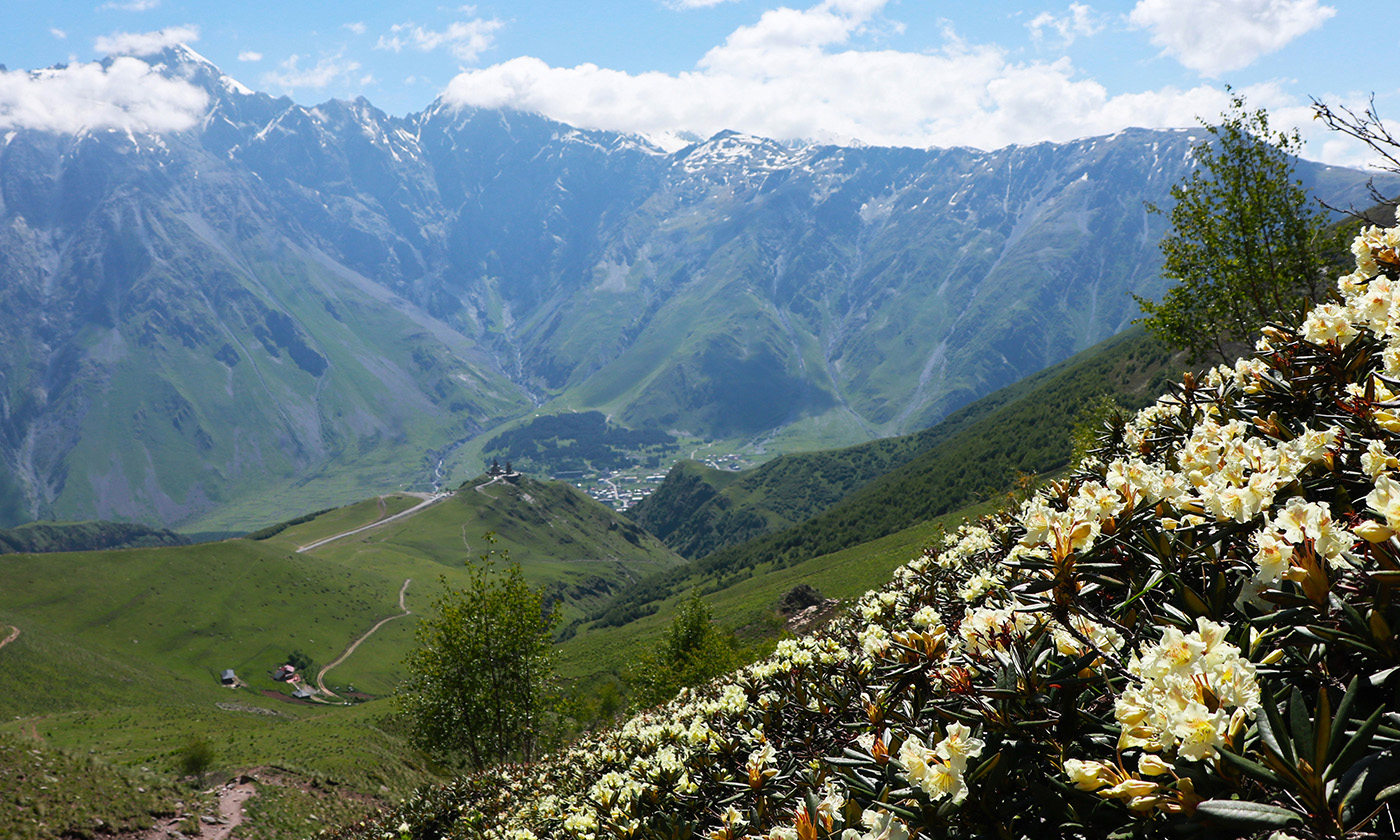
<point>250,55</point>
<point>794,74</point>
<point>465,39</point>
<point>1079,19</point>
<point>1214,37</point>
<point>358,27</point>
<point>145,43</point>
<point>57,33</point>
<point>127,95</point>
<point>290,75</point>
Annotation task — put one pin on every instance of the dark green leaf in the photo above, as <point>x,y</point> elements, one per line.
<point>1253,769</point>
<point>984,768</point>
<point>1269,725</point>
<point>1300,722</point>
<point>1364,782</point>
<point>1238,813</point>
<point>1343,716</point>
<point>1356,746</point>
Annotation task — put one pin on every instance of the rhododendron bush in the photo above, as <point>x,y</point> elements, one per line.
<point>1190,637</point>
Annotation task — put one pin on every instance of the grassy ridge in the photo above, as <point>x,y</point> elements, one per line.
<point>698,509</point>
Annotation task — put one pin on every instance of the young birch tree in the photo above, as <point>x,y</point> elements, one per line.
<point>1246,245</point>
<point>481,675</point>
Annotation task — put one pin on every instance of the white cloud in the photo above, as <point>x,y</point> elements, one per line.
<point>1078,19</point>
<point>1214,37</point>
<point>792,74</point>
<point>464,39</point>
<point>58,33</point>
<point>358,27</point>
<point>131,5</point>
<point>145,43</point>
<point>126,95</point>
<point>327,71</point>
<point>250,55</point>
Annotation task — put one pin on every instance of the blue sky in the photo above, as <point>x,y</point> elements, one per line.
<point>907,72</point>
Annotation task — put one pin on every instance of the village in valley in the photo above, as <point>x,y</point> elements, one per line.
<point>612,464</point>
<point>622,489</point>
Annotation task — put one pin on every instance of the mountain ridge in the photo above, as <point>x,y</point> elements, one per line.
<point>313,301</point>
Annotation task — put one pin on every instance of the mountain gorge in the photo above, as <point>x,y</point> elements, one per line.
<point>284,306</point>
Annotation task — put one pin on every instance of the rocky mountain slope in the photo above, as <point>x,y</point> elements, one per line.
<point>285,305</point>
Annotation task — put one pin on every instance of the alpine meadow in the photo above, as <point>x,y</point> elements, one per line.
<point>618,448</point>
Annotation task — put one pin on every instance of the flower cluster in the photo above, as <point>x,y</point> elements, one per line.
<point>1184,690</point>
<point>1194,629</point>
<point>940,771</point>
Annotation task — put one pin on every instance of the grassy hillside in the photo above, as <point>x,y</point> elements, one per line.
<point>61,794</point>
<point>747,604</point>
<point>975,455</point>
<point>120,652</point>
<point>580,550</point>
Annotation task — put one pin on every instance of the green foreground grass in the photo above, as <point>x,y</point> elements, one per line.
<point>51,793</point>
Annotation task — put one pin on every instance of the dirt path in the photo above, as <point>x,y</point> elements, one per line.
<point>481,488</point>
<point>232,796</point>
<point>14,634</point>
<point>321,675</point>
<point>431,500</point>
<point>231,799</point>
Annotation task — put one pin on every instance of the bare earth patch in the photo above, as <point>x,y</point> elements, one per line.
<point>231,798</point>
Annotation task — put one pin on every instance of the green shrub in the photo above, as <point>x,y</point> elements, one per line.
<point>196,757</point>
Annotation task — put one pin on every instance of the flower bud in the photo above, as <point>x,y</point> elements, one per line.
<point>1129,788</point>
<point>1151,765</point>
<point>1090,775</point>
<point>1373,532</point>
